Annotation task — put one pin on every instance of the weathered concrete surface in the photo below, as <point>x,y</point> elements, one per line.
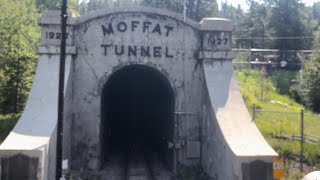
<point>36,125</point>
<point>93,67</point>
<point>212,128</point>
<point>235,139</point>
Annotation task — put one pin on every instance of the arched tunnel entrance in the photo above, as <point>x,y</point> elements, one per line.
<point>137,114</point>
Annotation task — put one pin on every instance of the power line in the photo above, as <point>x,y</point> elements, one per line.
<point>274,38</point>
<point>272,50</point>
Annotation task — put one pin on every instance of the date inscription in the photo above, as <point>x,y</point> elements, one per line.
<point>54,35</point>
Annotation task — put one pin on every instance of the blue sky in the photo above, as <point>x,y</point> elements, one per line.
<point>243,3</point>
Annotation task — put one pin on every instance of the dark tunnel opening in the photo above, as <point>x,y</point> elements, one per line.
<point>137,110</point>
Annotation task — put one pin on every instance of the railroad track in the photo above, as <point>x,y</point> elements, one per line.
<point>138,165</point>
<point>133,164</point>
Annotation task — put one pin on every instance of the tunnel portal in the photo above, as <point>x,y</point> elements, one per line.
<point>137,113</point>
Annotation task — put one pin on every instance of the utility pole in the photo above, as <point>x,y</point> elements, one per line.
<point>64,18</point>
<point>185,10</point>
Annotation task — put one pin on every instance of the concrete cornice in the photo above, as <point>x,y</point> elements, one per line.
<point>54,18</point>
<point>216,24</point>
<point>55,50</point>
<point>206,24</point>
<point>212,55</point>
<point>135,9</point>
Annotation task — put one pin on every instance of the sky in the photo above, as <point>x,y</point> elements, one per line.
<point>243,3</point>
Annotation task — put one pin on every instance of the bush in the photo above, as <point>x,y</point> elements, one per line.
<point>282,78</point>
<point>295,94</point>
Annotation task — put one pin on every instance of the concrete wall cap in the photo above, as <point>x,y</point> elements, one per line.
<point>216,24</point>
<point>206,24</point>
<point>55,50</point>
<point>135,9</point>
<point>54,18</point>
<point>211,55</point>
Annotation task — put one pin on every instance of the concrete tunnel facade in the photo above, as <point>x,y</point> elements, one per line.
<point>145,77</point>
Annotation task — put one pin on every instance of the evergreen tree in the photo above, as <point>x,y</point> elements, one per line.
<point>196,9</point>
<point>286,21</point>
<point>48,5</point>
<point>316,11</point>
<point>19,35</point>
<point>42,5</point>
<point>311,81</point>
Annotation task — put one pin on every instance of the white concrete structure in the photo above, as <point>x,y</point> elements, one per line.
<point>35,129</point>
<point>312,176</point>
<point>141,76</point>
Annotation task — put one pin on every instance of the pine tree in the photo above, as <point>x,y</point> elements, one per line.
<point>285,21</point>
<point>311,81</point>
<point>19,35</point>
<point>196,9</point>
<point>42,5</point>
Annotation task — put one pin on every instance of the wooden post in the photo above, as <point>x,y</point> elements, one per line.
<point>254,112</point>
<point>250,54</point>
<point>302,139</point>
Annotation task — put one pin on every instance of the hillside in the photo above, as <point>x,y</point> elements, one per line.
<point>279,117</point>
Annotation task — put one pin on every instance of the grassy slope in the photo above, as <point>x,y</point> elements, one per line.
<point>277,124</point>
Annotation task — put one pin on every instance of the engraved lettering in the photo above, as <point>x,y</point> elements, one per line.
<point>105,47</point>
<point>145,51</point>
<point>146,26</point>
<point>132,51</point>
<point>169,28</point>
<point>134,24</point>
<point>167,53</point>
<point>157,51</point>
<point>122,27</point>
<point>157,29</point>
<point>117,50</point>
<point>108,30</point>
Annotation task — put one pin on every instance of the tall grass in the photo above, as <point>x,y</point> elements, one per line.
<point>274,124</point>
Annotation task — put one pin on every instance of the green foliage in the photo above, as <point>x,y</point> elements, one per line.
<point>264,84</point>
<point>48,5</point>
<point>196,9</point>
<point>286,20</point>
<point>311,82</point>
<point>274,18</point>
<point>73,7</point>
<point>282,78</point>
<point>316,11</point>
<point>19,35</point>
<point>274,125</point>
<point>92,5</point>
<point>261,88</point>
<point>42,5</point>
<point>7,123</point>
